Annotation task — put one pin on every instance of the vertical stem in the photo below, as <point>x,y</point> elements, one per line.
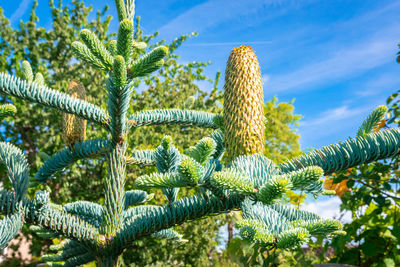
<point>230,230</point>
<point>115,181</point>
<point>108,261</point>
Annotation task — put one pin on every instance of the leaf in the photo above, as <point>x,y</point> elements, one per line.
<point>389,262</point>
<point>380,200</point>
<point>391,97</point>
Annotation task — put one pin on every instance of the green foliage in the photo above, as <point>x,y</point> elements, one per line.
<point>372,147</point>
<point>69,155</point>
<point>203,150</point>
<point>303,177</point>
<point>136,197</point>
<point>31,91</point>
<point>398,57</point>
<point>281,139</point>
<point>96,48</point>
<point>27,73</point>
<point>371,237</point>
<point>148,63</point>
<point>190,171</point>
<point>244,253</point>
<point>372,121</point>
<point>233,181</point>
<point>373,203</point>
<point>7,110</point>
<point>273,190</point>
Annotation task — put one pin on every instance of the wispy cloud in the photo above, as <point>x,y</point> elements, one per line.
<point>328,209</point>
<point>359,44</point>
<point>214,12</point>
<point>343,64</point>
<point>334,115</point>
<point>231,43</point>
<point>22,8</point>
<point>386,82</point>
<point>266,78</point>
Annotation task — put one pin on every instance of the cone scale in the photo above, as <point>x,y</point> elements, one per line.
<point>243,104</point>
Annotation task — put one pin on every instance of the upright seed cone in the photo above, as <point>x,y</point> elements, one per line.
<point>243,104</point>
<point>74,128</point>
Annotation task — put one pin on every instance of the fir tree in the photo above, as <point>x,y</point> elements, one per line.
<point>246,181</point>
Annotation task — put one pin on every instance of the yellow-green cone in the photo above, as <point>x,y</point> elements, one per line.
<point>74,128</point>
<point>243,104</point>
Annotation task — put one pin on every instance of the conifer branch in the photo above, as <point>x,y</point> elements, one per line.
<point>69,155</point>
<point>125,38</point>
<point>372,121</point>
<point>119,95</point>
<point>121,9</point>
<point>350,153</point>
<point>8,202</point>
<point>82,52</point>
<point>173,116</point>
<point>174,214</point>
<point>218,138</point>
<point>70,252</point>
<point>167,234</point>
<point>40,94</point>
<point>63,223</point>
<point>9,227</point>
<point>136,197</point>
<point>17,168</point>
<point>141,157</point>
<point>148,63</point>
<point>97,48</point>
<point>89,212</point>
<point>160,180</point>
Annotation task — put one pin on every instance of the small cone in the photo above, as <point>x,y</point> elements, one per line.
<point>74,128</point>
<point>243,104</point>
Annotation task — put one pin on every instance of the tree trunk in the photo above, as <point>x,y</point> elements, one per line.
<point>230,230</point>
<point>107,261</point>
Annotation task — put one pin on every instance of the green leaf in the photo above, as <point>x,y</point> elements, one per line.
<point>389,262</point>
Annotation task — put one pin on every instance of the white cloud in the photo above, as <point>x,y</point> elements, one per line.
<point>352,60</point>
<point>231,43</point>
<point>328,209</point>
<point>372,44</point>
<point>266,78</point>
<point>388,81</point>
<point>333,115</point>
<point>22,8</point>
<point>214,12</point>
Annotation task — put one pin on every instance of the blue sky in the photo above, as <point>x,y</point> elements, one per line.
<point>336,58</point>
